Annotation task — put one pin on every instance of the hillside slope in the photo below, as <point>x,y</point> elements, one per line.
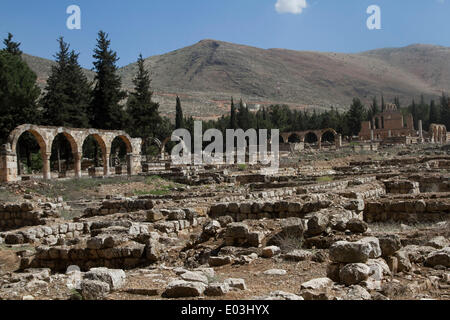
<point>208,73</point>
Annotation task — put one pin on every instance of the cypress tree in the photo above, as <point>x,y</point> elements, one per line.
<point>434,113</point>
<point>144,118</point>
<point>233,119</point>
<point>355,116</point>
<point>18,90</point>
<point>11,46</point>
<point>68,92</point>
<point>445,111</point>
<point>179,120</point>
<point>106,111</point>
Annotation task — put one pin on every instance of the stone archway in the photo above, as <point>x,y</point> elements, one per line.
<point>76,137</point>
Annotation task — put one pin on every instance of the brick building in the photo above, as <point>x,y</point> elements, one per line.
<point>390,123</point>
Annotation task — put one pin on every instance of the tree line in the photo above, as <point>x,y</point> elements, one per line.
<point>347,123</point>
<point>71,100</point>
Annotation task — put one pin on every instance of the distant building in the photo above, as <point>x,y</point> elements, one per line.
<point>388,124</point>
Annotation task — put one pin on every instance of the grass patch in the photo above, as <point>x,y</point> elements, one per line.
<point>242,167</point>
<point>6,196</point>
<point>325,179</point>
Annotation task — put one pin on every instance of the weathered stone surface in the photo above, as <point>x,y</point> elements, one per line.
<point>375,244</point>
<point>212,227</point>
<point>356,292</point>
<point>439,242</point>
<point>357,226</point>
<point>350,252</point>
<point>115,278</point>
<point>275,272</point>
<point>184,289</point>
<point>94,290</point>
<point>269,252</point>
<point>236,283</point>
<point>194,277</point>
<point>440,257</point>
<point>154,215</point>
<point>389,244</point>
<point>354,273</point>
<point>220,261</point>
<point>280,295</point>
<point>403,262</point>
<point>333,271</point>
<point>317,224</point>
<point>316,289</point>
<point>297,255</point>
<point>237,230</point>
<point>217,289</point>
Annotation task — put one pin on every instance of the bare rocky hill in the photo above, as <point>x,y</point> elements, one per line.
<point>208,73</point>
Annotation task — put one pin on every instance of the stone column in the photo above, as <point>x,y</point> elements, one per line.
<point>106,168</point>
<point>420,131</point>
<point>133,164</point>
<point>8,164</point>
<point>371,135</point>
<point>389,133</point>
<point>46,170</point>
<point>77,163</point>
<point>338,141</point>
<point>320,142</point>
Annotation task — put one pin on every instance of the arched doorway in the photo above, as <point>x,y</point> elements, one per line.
<point>311,138</point>
<point>63,154</point>
<point>294,138</point>
<point>119,158</point>
<point>29,154</point>
<point>94,156</point>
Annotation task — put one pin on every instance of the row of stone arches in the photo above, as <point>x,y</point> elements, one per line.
<point>76,139</point>
<point>312,136</point>
<point>438,133</point>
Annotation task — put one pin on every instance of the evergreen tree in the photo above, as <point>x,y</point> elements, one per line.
<point>434,113</point>
<point>106,111</point>
<point>179,115</point>
<point>354,117</point>
<point>68,93</point>
<point>11,46</point>
<point>233,119</point>
<point>445,111</point>
<point>144,118</point>
<point>18,91</point>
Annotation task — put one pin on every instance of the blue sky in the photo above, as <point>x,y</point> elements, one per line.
<point>158,26</point>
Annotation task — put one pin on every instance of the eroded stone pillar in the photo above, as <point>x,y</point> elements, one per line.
<point>133,164</point>
<point>371,135</point>
<point>338,141</point>
<point>420,131</point>
<point>46,170</point>
<point>77,164</point>
<point>106,167</point>
<point>8,165</point>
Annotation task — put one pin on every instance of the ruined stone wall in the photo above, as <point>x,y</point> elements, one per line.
<point>15,216</point>
<point>406,211</point>
<point>269,210</point>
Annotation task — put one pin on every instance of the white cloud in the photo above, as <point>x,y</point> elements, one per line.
<point>290,6</point>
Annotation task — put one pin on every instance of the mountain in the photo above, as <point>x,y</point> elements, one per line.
<point>43,67</point>
<point>206,74</point>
